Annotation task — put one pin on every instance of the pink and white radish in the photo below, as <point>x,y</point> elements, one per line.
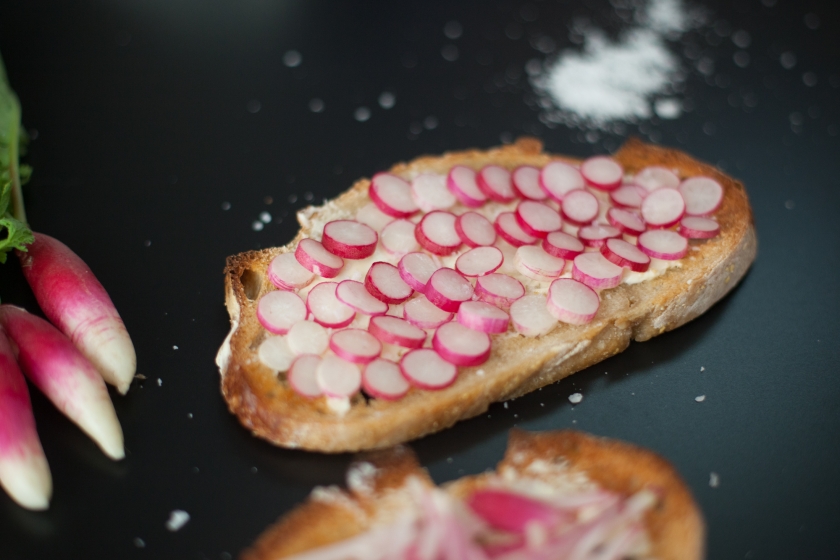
<point>372,216</point>
<point>482,316</point>
<point>594,270</point>
<point>277,311</point>
<point>479,261</point>
<point>629,196</point>
<point>315,258</point>
<point>654,177</point>
<point>274,353</point>
<point>511,511</point>
<point>392,195</point>
<point>326,309</point>
<point>355,345</point>
<point>307,337</point>
<point>663,244</point>
<point>572,302</point>
<point>622,253</point>
<point>384,282</point>
<point>603,173</point>
<point>558,179</point>
<point>398,238</point>
<point>463,183</point>
<point>74,301</point>
<point>695,227</point>
<point>663,208</point>
<point>526,182</point>
<point>495,182</point>
<point>580,207</point>
<point>507,226</point>
<point>430,192</point>
<point>596,235</point>
<point>437,234</point>
<point>628,222</point>
<point>530,315</point>
<point>475,230</point>
<point>356,295</point>
<point>337,377</point>
<point>500,290</point>
<point>349,239</point>
<point>393,330</point>
<point>303,376</point>
<point>447,289</point>
<point>460,345</point>
<point>532,261</point>
<point>416,269</point>
<point>562,245</point>
<point>426,369</point>
<point>537,219</point>
<point>383,379</point>
<point>702,195</point>
<point>286,273</point>
<point>424,314</point>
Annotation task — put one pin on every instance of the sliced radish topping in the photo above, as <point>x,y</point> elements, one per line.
<point>392,195</point>
<point>558,179</point>
<point>463,184</point>
<point>383,379</point>
<point>694,227</point>
<point>416,269</point>
<point>511,511</point>
<point>572,302</point>
<point>383,281</point>
<point>475,230</point>
<point>628,222</point>
<point>274,352</point>
<point>372,216</point>
<point>622,253</point>
<point>596,235</point>
<point>430,192</point>
<point>495,182</point>
<point>702,195</point>
<point>663,208</point>
<point>327,310</point>
<point>349,239</point>
<point>537,219</point>
<point>562,245</point>
<point>337,377</point>
<point>479,261</point>
<point>448,289</point>
<point>482,316</point>
<point>580,207</point>
<point>355,345</point>
<point>307,337</point>
<point>393,330</point>
<point>398,238</point>
<point>630,196</point>
<point>356,295</point>
<point>507,226</point>
<point>602,172</point>
<point>286,273</point>
<point>424,368</point>
<point>424,314</point>
<point>303,376</point>
<point>532,261</point>
<point>663,244</point>
<point>652,178</point>
<point>437,234</point>
<point>500,290</point>
<point>530,315</point>
<point>526,182</point>
<point>315,258</point>
<point>596,271</point>
<point>460,345</point>
<point>277,311</point>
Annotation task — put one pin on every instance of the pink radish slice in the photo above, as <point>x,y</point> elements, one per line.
<point>383,379</point>
<point>496,183</point>
<point>307,337</point>
<point>355,345</point>
<point>562,245</point>
<point>596,271</point>
<point>663,208</point>
<point>475,230</point>
<point>500,290</point>
<point>448,289</point>
<point>558,179</point>
<point>653,178</point>
<point>602,172</point>
<point>695,227</point>
<point>509,511</point>
<point>663,244</point>
<point>702,195</point>
<point>286,273</point>
<point>416,269</point>
<point>303,376</point>
<point>424,314</point>
<point>580,207</point>
<point>337,377</point>
<point>437,234</point>
<point>315,258</point>
<point>326,309</point>
<point>349,239</point>
<point>277,311</point>
<point>356,295</point>
<point>537,219</point>
<point>572,302</point>
<point>629,196</point>
<point>430,192</point>
<point>384,283</point>
<point>479,261</point>
<point>526,182</point>
<point>393,330</point>
<point>507,226</point>
<point>426,369</point>
<point>460,345</point>
<point>372,216</point>
<point>392,195</point>
<point>596,235</point>
<point>398,238</point>
<point>463,183</point>
<point>628,222</point>
<point>622,253</point>
<point>530,315</point>
<point>482,316</point>
<point>274,353</point>
<point>532,261</point>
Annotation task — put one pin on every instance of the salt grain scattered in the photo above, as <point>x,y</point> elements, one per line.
<point>177,519</point>
<point>316,105</point>
<point>174,347</point>
<point>387,100</point>
<point>787,60</point>
<point>702,368</point>
<point>452,30</point>
<point>253,106</point>
<point>449,53</point>
<point>225,206</point>
<point>714,480</point>
<point>701,398</point>
<point>160,382</point>
<point>361,114</point>
<point>265,217</point>
<point>292,59</point>
<point>257,225</point>
<point>139,543</point>
<point>575,398</point>
<point>668,108</point>
<point>190,415</point>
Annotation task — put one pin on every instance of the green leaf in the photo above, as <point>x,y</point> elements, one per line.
<point>18,236</point>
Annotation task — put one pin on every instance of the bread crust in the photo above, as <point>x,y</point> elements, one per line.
<point>518,365</point>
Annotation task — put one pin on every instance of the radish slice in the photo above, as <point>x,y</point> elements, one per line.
<point>596,271</point>
<point>384,283</point>
<point>398,238</point>
<point>424,368</point>
<point>694,227</point>
<point>463,184</point>
<point>383,379</point>
<point>393,330</point>
<point>510,511</point>
<point>416,269</point>
<point>602,173</point>
<point>500,290</point>
<point>303,376</point>
<point>663,244</point>
<point>482,316</point>
<point>702,195</point>
<point>327,310</point>
<point>315,258</point>
<point>580,207</point>
<point>622,253</point>
<point>286,273</point>
<point>448,289</point>
<point>392,195</point>
<point>558,179</point>
<point>530,315</point>
<point>430,192</point>
<point>424,314</point>
<point>274,353</point>
<point>652,178</point>
<point>537,219</point>
<point>663,208</point>
<point>630,196</point>
<point>628,222</point>
<point>596,235</point>
<point>562,245</point>
<point>475,230</point>
<point>356,295</point>
<point>307,337</point>
<point>437,234</point>
<point>479,261</point>
<point>349,239</point>
<point>277,311</point>
<point>372,216</point>
<point>532,261</point>
<point>526,182</point>
<point>507,226</point>
<point>337,377</point>
<point>460,345</point>
<point>355,345</point>
<point>495,182</point>
<point>572,302</point>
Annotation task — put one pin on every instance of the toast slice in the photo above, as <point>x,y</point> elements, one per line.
<point>383,488</point>
<point>267,406</point>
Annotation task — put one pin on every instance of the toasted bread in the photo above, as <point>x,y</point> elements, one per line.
<point>266,405</point>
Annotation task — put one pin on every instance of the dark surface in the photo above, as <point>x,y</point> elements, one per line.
<point>145,127</point>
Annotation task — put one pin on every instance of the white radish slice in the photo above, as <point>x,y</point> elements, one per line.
<point>495,182</point>
<point>628,222</point>
<point>596,235</point>
<point>303,376</point>
<point>603,173</point>
<point>393,330</point>
<point>530,315</point>
<point>424,368</point>
<point>483,316</point>
<point>580,207</point>
<point>448,289</point>
<point>500,290</point>
<point>337,377</point>
<point>274,352</point>
<point>355,345</point>
<point>463,183</point>
<point>629,196</point>
<point>563,245</point>
<point>383,379</point>
<point>572,302</point>
<point>392,195</point>
<point>430,192</point>
<point>398,237</point>
<point>307,337</point>
<point>653,178</point>
<point>416,269</point>
<point>349,239</point>
<point>702,195</point>
<point>326,309</point>
<point>384,283</point>
<point>558,179</point>
<point>622,253</point>
<point>507,226</point>
<point>475,230</point>
<point>532,261</point>
<point>479,261</point>
<point>372,216</point>
<point>356,295</point>
<point>594,270</point>
<point>461,345</point>
<point>277,311</point>
<point>422,313</point>
<point>437,234</point>
<point>537,219</point>
<point>315,258</point>
<point>663,244</point>
<point>695,227</point>
<point>286,273</point>
<point>663,208</point>
<point>526,182</point>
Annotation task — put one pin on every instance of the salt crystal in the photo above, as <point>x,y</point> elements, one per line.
<point>387,100</point>
<point>701,398</point>
<point>292,59</point>
<point>361,114</point>
<point>714,480</point>
<point>265,217</point>
<point>160,382</point>
<point>575,398</point>
<point>316,105</point>
<point>139,543</point>
<point>177,519</point>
